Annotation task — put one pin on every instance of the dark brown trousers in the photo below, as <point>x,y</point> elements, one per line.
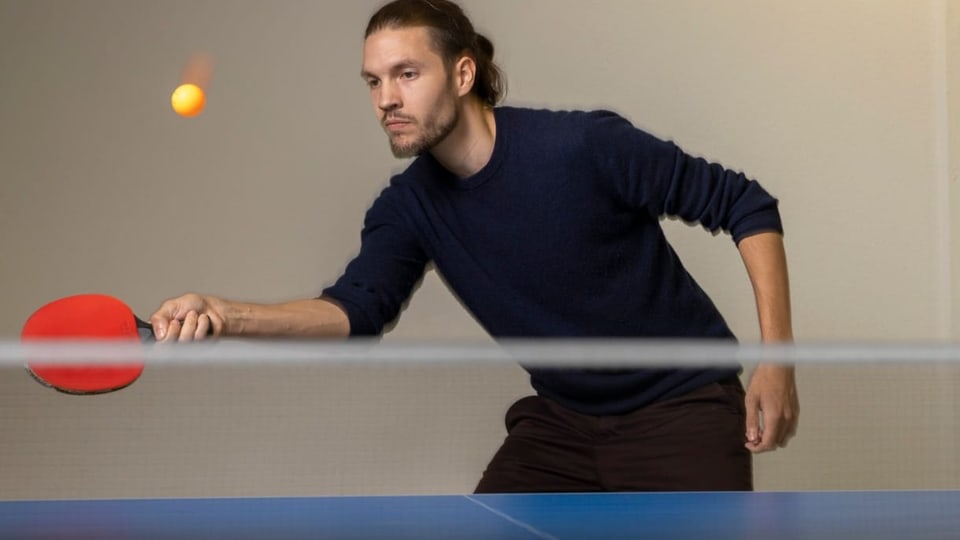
<point>693,442</point>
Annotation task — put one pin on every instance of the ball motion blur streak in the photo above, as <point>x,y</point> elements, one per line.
<point>188,100</point>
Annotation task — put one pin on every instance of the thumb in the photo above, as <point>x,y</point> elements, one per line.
<point>162,317</point>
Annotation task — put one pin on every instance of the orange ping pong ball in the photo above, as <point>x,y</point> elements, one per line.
<point>188,100</point>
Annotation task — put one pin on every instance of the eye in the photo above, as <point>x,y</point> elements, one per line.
<point>408,75</point>
<point>373,83</point>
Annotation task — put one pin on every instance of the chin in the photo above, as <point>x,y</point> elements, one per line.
<point>410,150</point>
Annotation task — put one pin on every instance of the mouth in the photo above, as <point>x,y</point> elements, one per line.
<point>395,124</point>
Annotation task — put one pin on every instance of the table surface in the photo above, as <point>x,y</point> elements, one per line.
<point>877,515</point>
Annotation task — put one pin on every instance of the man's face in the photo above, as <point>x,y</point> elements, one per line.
<point>413,95</point>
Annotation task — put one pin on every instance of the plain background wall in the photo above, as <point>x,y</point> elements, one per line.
<point>845,110</point>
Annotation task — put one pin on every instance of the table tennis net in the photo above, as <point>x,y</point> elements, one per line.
<point>266,418</point>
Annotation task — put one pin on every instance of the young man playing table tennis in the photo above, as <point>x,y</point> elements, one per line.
<point>546,224</point>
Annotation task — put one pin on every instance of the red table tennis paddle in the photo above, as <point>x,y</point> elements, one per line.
<point>82,317</point>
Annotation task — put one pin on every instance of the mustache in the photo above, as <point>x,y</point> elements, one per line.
<point>395,117</point>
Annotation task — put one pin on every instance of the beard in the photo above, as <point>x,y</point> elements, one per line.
<point>433,130</point>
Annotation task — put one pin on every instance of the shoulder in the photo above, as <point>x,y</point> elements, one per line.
<point>415,169</point>
<point>419,173</point>
<point>405,188</point>
<point>549,117</point>
<point>565,131</point>
<point>586,126</point>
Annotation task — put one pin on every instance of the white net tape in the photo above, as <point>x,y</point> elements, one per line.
<point>560,353</point>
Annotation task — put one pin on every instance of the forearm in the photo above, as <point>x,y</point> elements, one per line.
<point>771,399</point>
<point>311,318</point>
<point>765,259</point>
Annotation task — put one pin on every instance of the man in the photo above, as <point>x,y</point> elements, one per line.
<point>546,224</point>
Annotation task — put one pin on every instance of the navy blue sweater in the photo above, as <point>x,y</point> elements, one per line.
<point>559,236</point>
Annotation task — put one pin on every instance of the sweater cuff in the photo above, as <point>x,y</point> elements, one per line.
<point>360,324</point>
<point>764,221</point>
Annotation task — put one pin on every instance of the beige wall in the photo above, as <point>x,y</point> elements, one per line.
<point>837,107</point>
<point>952,102</point>
<point>952,130</point>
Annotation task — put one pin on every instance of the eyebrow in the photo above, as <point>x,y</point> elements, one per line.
<point>399,66</point>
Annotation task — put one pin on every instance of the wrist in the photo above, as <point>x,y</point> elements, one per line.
<point>782,336</point>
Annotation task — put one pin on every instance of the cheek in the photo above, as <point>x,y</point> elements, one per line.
<point>375,103</point>
<point>440,104</point>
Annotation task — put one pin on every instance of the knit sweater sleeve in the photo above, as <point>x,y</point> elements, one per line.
<point>377,282</point>
<point>656,176</point>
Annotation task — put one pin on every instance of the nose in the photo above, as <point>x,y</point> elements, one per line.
<point>389,98</point>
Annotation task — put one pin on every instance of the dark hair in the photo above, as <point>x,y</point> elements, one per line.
<point>452,34</point>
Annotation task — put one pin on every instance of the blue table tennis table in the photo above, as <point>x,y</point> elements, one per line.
<point>876,515</point>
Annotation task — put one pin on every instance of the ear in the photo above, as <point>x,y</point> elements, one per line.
<point>464,75</point>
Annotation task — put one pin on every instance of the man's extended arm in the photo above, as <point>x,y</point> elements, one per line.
<point>194,316</point>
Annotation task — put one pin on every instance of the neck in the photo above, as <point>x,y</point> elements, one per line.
<point>468,148</point>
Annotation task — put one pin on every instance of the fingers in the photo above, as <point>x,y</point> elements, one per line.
<point>791,417</point>
<point>775,423</point>
<point>188,327</point>
<point>204,327</point>
<point>163,317</point>
<point>171,333</point>
<point>186,318</point>
<point>770,434</point>
<point>772,408</point>
<point>788,416</point>
<point>195,327</point>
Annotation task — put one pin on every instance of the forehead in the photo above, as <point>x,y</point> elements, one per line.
<point>389,47</point>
